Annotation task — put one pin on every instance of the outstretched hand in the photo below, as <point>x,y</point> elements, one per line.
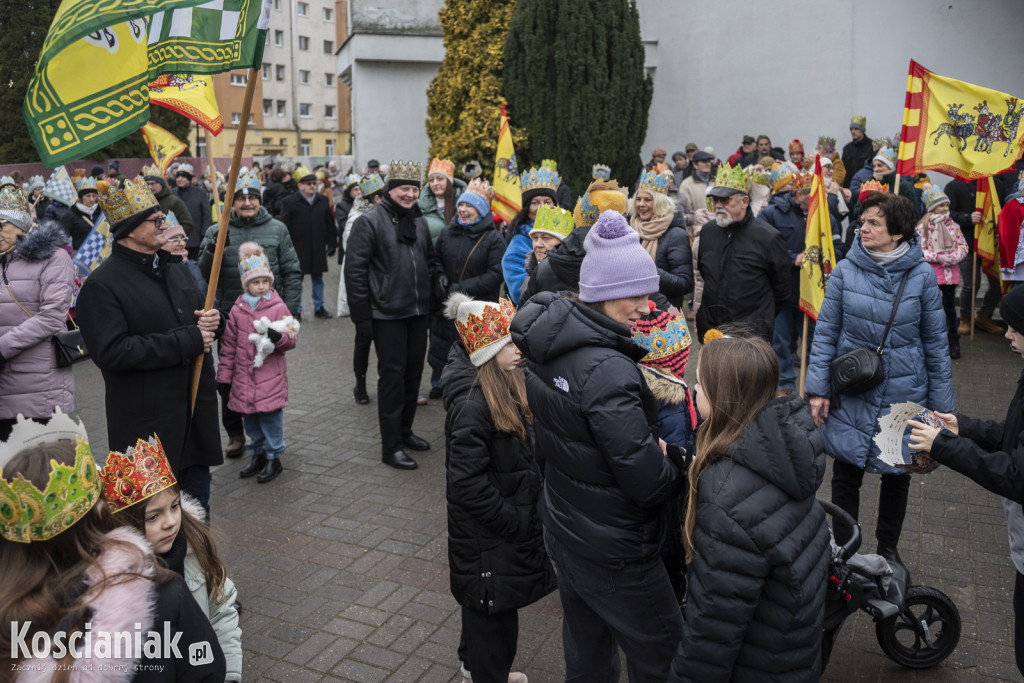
<point>922,435</point>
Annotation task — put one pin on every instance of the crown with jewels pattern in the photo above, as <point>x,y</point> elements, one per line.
<point>803,180</point>
<point>932,196</point>
<point>184,168</point>
<point>733,177</point>
<point>539,179</point>
<point>779,174</point>
<point>131,200</point>
<point>371,183</point>
<point>406,170</point>
<point>827,141</point>
<point>553,220</point>
<point>667,341</point>
<point>86,183</point>
<point>6,180</point>
<point>480,186</point>
<point>151,170</point>
<point>601,172</point>
<point>872,186</point>
<point>135,475</point>
<point>28,514</point>
<point>472,169</point>
<point>350,180</point>
<point>653,182</point>
<point>879,143</point>
<point>14,207</point>
<point>889,153</point>
<point>859,120</point>
<point>255,262</point>
<point>171,221</point>
<point>443,166</point>
<point>35,181</point>
<point>601,196</point>
<point>481,324</point>
<point>248,183</point>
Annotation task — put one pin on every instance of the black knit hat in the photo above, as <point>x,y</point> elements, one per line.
<point>1011,308</point>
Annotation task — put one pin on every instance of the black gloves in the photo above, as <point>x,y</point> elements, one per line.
<point>211,246</point>
<point>224,388</point>
<point>364,328</point>
<point>273,335</point>
<point>332,251</point>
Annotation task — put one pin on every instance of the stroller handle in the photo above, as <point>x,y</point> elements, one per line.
<point>848,549</point>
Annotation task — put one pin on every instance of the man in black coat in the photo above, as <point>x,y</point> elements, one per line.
<point>307,213</point>
<point>388,278</point>
<point>169,201</point>
<point>141,317</point>
<point>199,207</point>
<point>858,151</point>
<point>744,262</point>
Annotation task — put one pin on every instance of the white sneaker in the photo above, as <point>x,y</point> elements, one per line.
<point>517,677</point>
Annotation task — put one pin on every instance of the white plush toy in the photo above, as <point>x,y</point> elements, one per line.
<point>264,347</point>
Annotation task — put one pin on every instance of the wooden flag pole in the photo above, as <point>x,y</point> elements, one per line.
<point>803,357</point>
<point>974,282</point>
<point>213,183</point>
<point>222,229</point>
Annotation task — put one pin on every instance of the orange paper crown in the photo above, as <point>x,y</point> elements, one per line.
<point>481,187</point>
<point>139,473</point>
<point>871,186</point>
<point>803,180</point>
<point>442,166</point>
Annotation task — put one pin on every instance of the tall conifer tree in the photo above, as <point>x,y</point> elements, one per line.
<point>574,79</point>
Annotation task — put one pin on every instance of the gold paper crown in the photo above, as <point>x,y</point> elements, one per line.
<point>86,184</point>
<point>653,182</point>
<point>803,180</point>
<point>481,187</point>
<point>733,177</point>
<point>121,204</point>
<point>859,120</point>
<point>406,170</point>
<point>549,163</point>
<point>553,220</point>
<point>135,475</point>
<point>28,514</point>
<point>539,179</point>
<point>151,170</point>
<point>872,186</point>
<point>602,195</point>
<point>301,172</point>
<point>879,143</point>
<point>827,141</point>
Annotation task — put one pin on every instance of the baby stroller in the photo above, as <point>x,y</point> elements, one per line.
<point>916,626</point>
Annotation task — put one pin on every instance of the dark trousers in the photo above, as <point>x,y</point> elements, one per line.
<point>487,645</point>
<point>992,296</point>
<point>892,502</point>
<point>607,606</point>
<point>949,308</point>
<point>361,353</point>
<point>401,348</point>
<point>1018,621</point>
<point>195,481</point>
<point>231,420</point>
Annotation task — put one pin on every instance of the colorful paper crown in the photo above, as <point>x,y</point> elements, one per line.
<point>185,168</point>
<point>35,181</point>
<point>889,155</point>
<point>371,183</point>
<point>472,169</point>
<point>553,220</point>
<point>7,180</point>
<point>14,207</point>
<point>302,173</point>
<point>652,181</point>
<point>732,177</point>
<point>135,475</point>
<point>171,221</point>
<point>871,186</point>
<point>256,262</point>
<point>859,120</point>
<point>351,180</point>
<point>933,196</point>
<point>85,184</point>
<point>28,514</point>
<point>442,166</point>
<point>121,204</point>
<point>602,195</point>
<point>248,183</point>
<point>879,143</point>
<point>779,175</point>
<point>484,327</point>
<point>480,186</point>
<point>549,164</point>
<point>803,180</point>
<point>667,341</point>
<point>539,179</point>
<point>406,170</point>
<point>827,142</point>
<point>601,172</point>
<point>796,146</point>
<point>151,171</point>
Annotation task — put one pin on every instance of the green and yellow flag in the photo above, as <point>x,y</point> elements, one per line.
<point>508,198</point>
<point>91,83</point>
<point>819,252</point>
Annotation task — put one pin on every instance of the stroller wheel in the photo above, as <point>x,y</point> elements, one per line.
<point>924,633</point>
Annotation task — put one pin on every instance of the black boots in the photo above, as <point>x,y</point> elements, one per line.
<point>359,393</point>
<point>255,465</point>
<point>262,467</point>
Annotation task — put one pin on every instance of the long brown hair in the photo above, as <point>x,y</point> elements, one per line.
<point>449,201</point>
<point>199,538</point>
<point>738,377</point>
<point>505,394</point>
<point>45,581</point>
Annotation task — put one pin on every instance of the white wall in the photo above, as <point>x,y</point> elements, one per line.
<point>800,69</point>
<point>389,110</point>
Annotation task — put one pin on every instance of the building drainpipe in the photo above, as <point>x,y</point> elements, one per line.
<point>293,10</point>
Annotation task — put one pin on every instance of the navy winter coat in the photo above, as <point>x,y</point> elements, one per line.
<point>675,265</point>
<point>858,302</point>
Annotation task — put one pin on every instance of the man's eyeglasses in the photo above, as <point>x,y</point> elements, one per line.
<point>178,239</point>
<point>248,199</point>
<point>157,222</point>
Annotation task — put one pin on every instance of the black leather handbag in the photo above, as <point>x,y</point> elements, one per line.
<point>861,369</point>
<point>69,347</point>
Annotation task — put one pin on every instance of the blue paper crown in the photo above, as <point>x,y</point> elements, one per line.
<point>86,184</point>
<point>248,184</point>
<point>254,262</point>
<point>653,182</point>
<point>601,172</point>
<point>371,183</point>
<point>170,220</point>
<point>539,179</point>
<point>351,179</point>
<point>185,168</point>
<point>779,174</point>
<point>933,195</point>
<point>889,153</point>
<point>6,180</point>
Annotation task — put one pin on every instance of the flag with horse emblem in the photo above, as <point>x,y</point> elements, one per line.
<point>958,128</point>
<point>163,146</point>
<point>508,199</point>
<point>128,44</point>
<point>191,97</point>
<point>819,251</point>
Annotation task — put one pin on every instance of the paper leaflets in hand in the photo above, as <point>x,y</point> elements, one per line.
<point>892,437</point>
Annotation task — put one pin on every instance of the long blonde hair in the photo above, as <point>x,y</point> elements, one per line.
<point>738,377</point>
<point>505,394</point>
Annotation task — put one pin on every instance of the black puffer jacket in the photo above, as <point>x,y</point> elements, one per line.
<point>606,481</point>
<point>495,546</point>
<point>480,271</point>
<point>560,269</point>
<point>675,266</point>
<point>386,278</point>
<point>756,586</point>
<point>746,270</point>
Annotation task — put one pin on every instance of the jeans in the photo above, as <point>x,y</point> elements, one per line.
<point>435,378</point>
<point>317,282</point>
<point>992,296</point>
<point>607,606</point>
<point>195,481</point>
<point>488,643</point>
<point>949,308</point>
<point>1018,621</point>
<point>267,432</point>
<point>892,502</point>
<point>788,328</point>
<point>401,349</point>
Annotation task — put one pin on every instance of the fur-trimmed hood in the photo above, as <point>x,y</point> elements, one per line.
<point>40,244</point>
<point>668,390</point>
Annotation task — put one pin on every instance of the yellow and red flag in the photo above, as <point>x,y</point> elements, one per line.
<point>508,198</point>
<point>819,252</point>
<point>986,241</point>
<point>191,96</point>
<point>163,146</point>
<point>958,128</point>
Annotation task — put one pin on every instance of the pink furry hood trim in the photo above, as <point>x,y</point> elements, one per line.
<point>118,605</point>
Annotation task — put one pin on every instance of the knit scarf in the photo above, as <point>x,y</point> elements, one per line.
<point>254,301</point>
<point>651,231</point>
<point>406,218</point>
<point>887,258</point>
<point>940,222</point>
<point>90,210</point>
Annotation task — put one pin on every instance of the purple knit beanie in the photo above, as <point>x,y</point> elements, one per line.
<point>616,266</point>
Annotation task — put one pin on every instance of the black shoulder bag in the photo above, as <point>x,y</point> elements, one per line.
<point>861,369</point>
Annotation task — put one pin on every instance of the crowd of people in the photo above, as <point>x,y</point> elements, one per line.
<point>677,522</point>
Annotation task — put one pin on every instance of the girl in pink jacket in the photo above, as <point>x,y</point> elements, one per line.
<point>943,246</point>
<point>252,370</point>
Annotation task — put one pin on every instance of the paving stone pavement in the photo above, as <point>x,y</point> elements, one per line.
<point>341,562</point>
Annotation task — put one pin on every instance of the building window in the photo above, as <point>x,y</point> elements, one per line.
<point>305,147</point>
<point>328,16</point>
<point>302,9</point>
<point>305,109</point>
<point>267,142</point>
<point>266,72</point>
<point>201,147</point>
<point>279,38</point>
<point>268,107</point>
<point>236,118</point>
<point>280,108</point>
<point>239,79</point>
<point>329,47</point>
<point>303,77</point>
<point>329,147</point>
<point>280,72</point>
<point>303,42</point>
<point>329,111</point>
<point>329,80</point>
<point>252,119</point>
<point>282,142</point>
<point>277,5</point>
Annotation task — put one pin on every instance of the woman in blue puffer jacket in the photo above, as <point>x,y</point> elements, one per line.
<point>858,303</point>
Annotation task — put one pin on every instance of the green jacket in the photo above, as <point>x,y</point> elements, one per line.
<point>434,215</point>
<point>269,233</point>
